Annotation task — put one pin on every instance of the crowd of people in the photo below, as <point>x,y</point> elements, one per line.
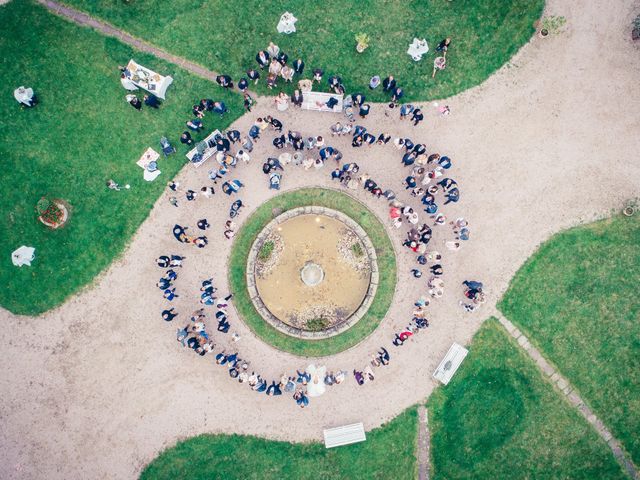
<point>429,185</point>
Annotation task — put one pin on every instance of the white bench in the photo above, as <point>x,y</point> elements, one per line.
<point>310,101</point>
<point>345,435</point>
<point>450,363</point>
<point>209,151</point>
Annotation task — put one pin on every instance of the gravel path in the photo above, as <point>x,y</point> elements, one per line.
<point>96,388</point>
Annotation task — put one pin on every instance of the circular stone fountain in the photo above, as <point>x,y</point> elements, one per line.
<point>309,272</point>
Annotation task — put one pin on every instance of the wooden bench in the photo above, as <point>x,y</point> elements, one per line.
<point>345,435</point>
<point>209,151</point>
<point>310,101</point>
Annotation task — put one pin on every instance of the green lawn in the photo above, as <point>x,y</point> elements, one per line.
<point>226,35</point>
<point>499,419</point>
<point>386,266</point>
<point>577,300</point>
<point>389,452</point>
<point>81,134</point>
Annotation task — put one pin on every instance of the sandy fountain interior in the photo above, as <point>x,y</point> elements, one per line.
<point>319,273</point>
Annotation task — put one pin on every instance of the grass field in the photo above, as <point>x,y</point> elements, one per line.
<point>577,300</point>
<point>81,134</point>
<point>389,452</point>
<point>386,266</point>
<point>499,419</point>
<point>225,36</point>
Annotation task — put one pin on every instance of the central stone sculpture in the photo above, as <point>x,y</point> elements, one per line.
<point>311,274</point>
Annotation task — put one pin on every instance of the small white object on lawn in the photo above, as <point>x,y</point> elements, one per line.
<point>23,256</point>
<point>450,363</point>
<point>418,48</point>
<point>287,23</point>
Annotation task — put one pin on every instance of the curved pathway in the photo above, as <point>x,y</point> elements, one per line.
<point>97,387</point>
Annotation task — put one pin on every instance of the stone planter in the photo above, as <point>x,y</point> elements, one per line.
<point>629,211</point>
<point>65,216</point>
<point>544,33</point>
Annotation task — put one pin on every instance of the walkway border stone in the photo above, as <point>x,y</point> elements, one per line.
<point>85,20</point>
<point>424,444</point>
<point>572,396</point>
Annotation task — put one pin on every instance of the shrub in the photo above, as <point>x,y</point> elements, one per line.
<point>317,324</point>
<point>357,250</point>
<point>266,250</point>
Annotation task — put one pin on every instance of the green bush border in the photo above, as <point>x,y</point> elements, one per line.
<point>301,198</point>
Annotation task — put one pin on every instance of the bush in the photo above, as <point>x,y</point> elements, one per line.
<point>266,250</point>
<point>357,250</point>
<point>317,324</point>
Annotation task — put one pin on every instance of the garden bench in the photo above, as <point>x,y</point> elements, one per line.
<point>209,151</point>
<point>450,363</point>
<point>344,435</point>
<point>310,101</point>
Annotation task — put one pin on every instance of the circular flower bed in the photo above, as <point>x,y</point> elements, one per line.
<point>52,213</point>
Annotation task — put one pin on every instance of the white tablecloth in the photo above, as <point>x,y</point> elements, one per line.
<point>147,79</point>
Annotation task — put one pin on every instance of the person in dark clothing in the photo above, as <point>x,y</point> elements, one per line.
<point>168,315</point>
<point>279,142</point>
<point>253,75</point>
<point>277,124</point>
<point>283,58</point>
<point>262,57</point>
<point>398,93</point>
<point>135,102</point>
<point>383,139</point>
<point>364,110</point>
<point>443,46</point>
<point>248,102</point>
<point>206,104</point>
<point>436,269</point>
<point>163,261</point>
<point>332,102</point>
<point>417,116</point>
<point>198,110</point>
<point>369,138</point>
<point>233,136</point>
<point>408,159</point>
<point>150,100</point>
<point>358,99</point>
<point>203,224</point>
<point>389,84</point>
<point>452,195</point>
<point>243,84</point>
<point>317,74</point>
<point>334,82</point>
<point>186,138</point>
<point>224,81</point>
<point>223,145</point>
<point>298,66</point>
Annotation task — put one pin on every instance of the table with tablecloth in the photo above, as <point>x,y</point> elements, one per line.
<point>147,79</point>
